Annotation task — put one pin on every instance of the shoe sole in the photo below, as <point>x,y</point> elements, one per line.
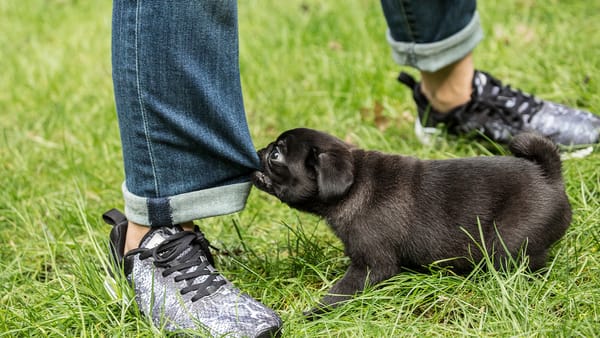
<point>112,288</point>
<point>426,135</point>
<point>572,154</point>
<point>430,135</point>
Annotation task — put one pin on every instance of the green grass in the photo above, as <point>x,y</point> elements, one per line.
<point>320,64</point>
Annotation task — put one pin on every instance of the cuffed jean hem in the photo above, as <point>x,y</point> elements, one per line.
<point>186,207</point>
<point>434,56</point>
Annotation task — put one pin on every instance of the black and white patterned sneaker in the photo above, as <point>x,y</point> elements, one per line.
<point>175,284</point>
<point>499,112</point>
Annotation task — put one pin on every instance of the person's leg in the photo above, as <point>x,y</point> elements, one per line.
<point>187,155</point>
<point>186,145</point>
<point>450,86</point>
<point>437,37</point>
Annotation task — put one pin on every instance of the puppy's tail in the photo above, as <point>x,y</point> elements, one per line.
<point>540,150</point>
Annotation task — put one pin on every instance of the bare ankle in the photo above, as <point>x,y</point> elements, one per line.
<point>136,232</point>
<point>450,86</point>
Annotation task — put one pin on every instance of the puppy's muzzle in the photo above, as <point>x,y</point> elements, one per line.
<point>259,178</point>
<point>262,181</point>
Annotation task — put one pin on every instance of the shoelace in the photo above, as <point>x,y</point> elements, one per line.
<point>509,104</point>
<point>167,255</point>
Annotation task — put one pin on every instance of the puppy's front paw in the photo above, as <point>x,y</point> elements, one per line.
<point>317,311</point>
<point>328,303</point>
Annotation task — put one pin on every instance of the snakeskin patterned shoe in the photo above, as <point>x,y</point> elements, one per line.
<point>499,112</point>
<point>176,284</point>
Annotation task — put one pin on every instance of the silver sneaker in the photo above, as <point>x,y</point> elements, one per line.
<point>499,112</point>
<point>176,284</point>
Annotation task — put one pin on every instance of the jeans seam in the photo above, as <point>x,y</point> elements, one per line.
<point>408,18</point>
<point>141,100</point>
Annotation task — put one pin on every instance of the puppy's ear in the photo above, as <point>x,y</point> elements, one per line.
<point>334,170</point>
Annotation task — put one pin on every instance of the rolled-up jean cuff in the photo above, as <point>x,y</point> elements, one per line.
<point>186,207</point>
<point>433,56</point>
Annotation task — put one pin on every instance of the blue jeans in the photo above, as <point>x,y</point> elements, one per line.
<point>431,34</point>
<point>186,146</point>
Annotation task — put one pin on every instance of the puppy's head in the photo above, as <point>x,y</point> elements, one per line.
<point>305,166</point>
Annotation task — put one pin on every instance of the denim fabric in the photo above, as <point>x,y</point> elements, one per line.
<point>186,145</point>
<point>431,34</point>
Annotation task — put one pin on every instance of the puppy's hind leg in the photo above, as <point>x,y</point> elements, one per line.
<point>537,260</point>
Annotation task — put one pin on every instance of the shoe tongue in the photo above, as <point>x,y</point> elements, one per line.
<point>157,235</point>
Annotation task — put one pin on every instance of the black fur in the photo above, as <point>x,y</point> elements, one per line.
<point>393,212</point>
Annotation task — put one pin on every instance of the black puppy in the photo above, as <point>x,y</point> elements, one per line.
<point>393,212</point>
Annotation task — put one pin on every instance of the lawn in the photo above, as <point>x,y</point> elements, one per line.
<point>319,64</point>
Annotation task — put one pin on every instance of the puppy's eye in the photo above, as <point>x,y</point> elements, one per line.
<point>275,155</point>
